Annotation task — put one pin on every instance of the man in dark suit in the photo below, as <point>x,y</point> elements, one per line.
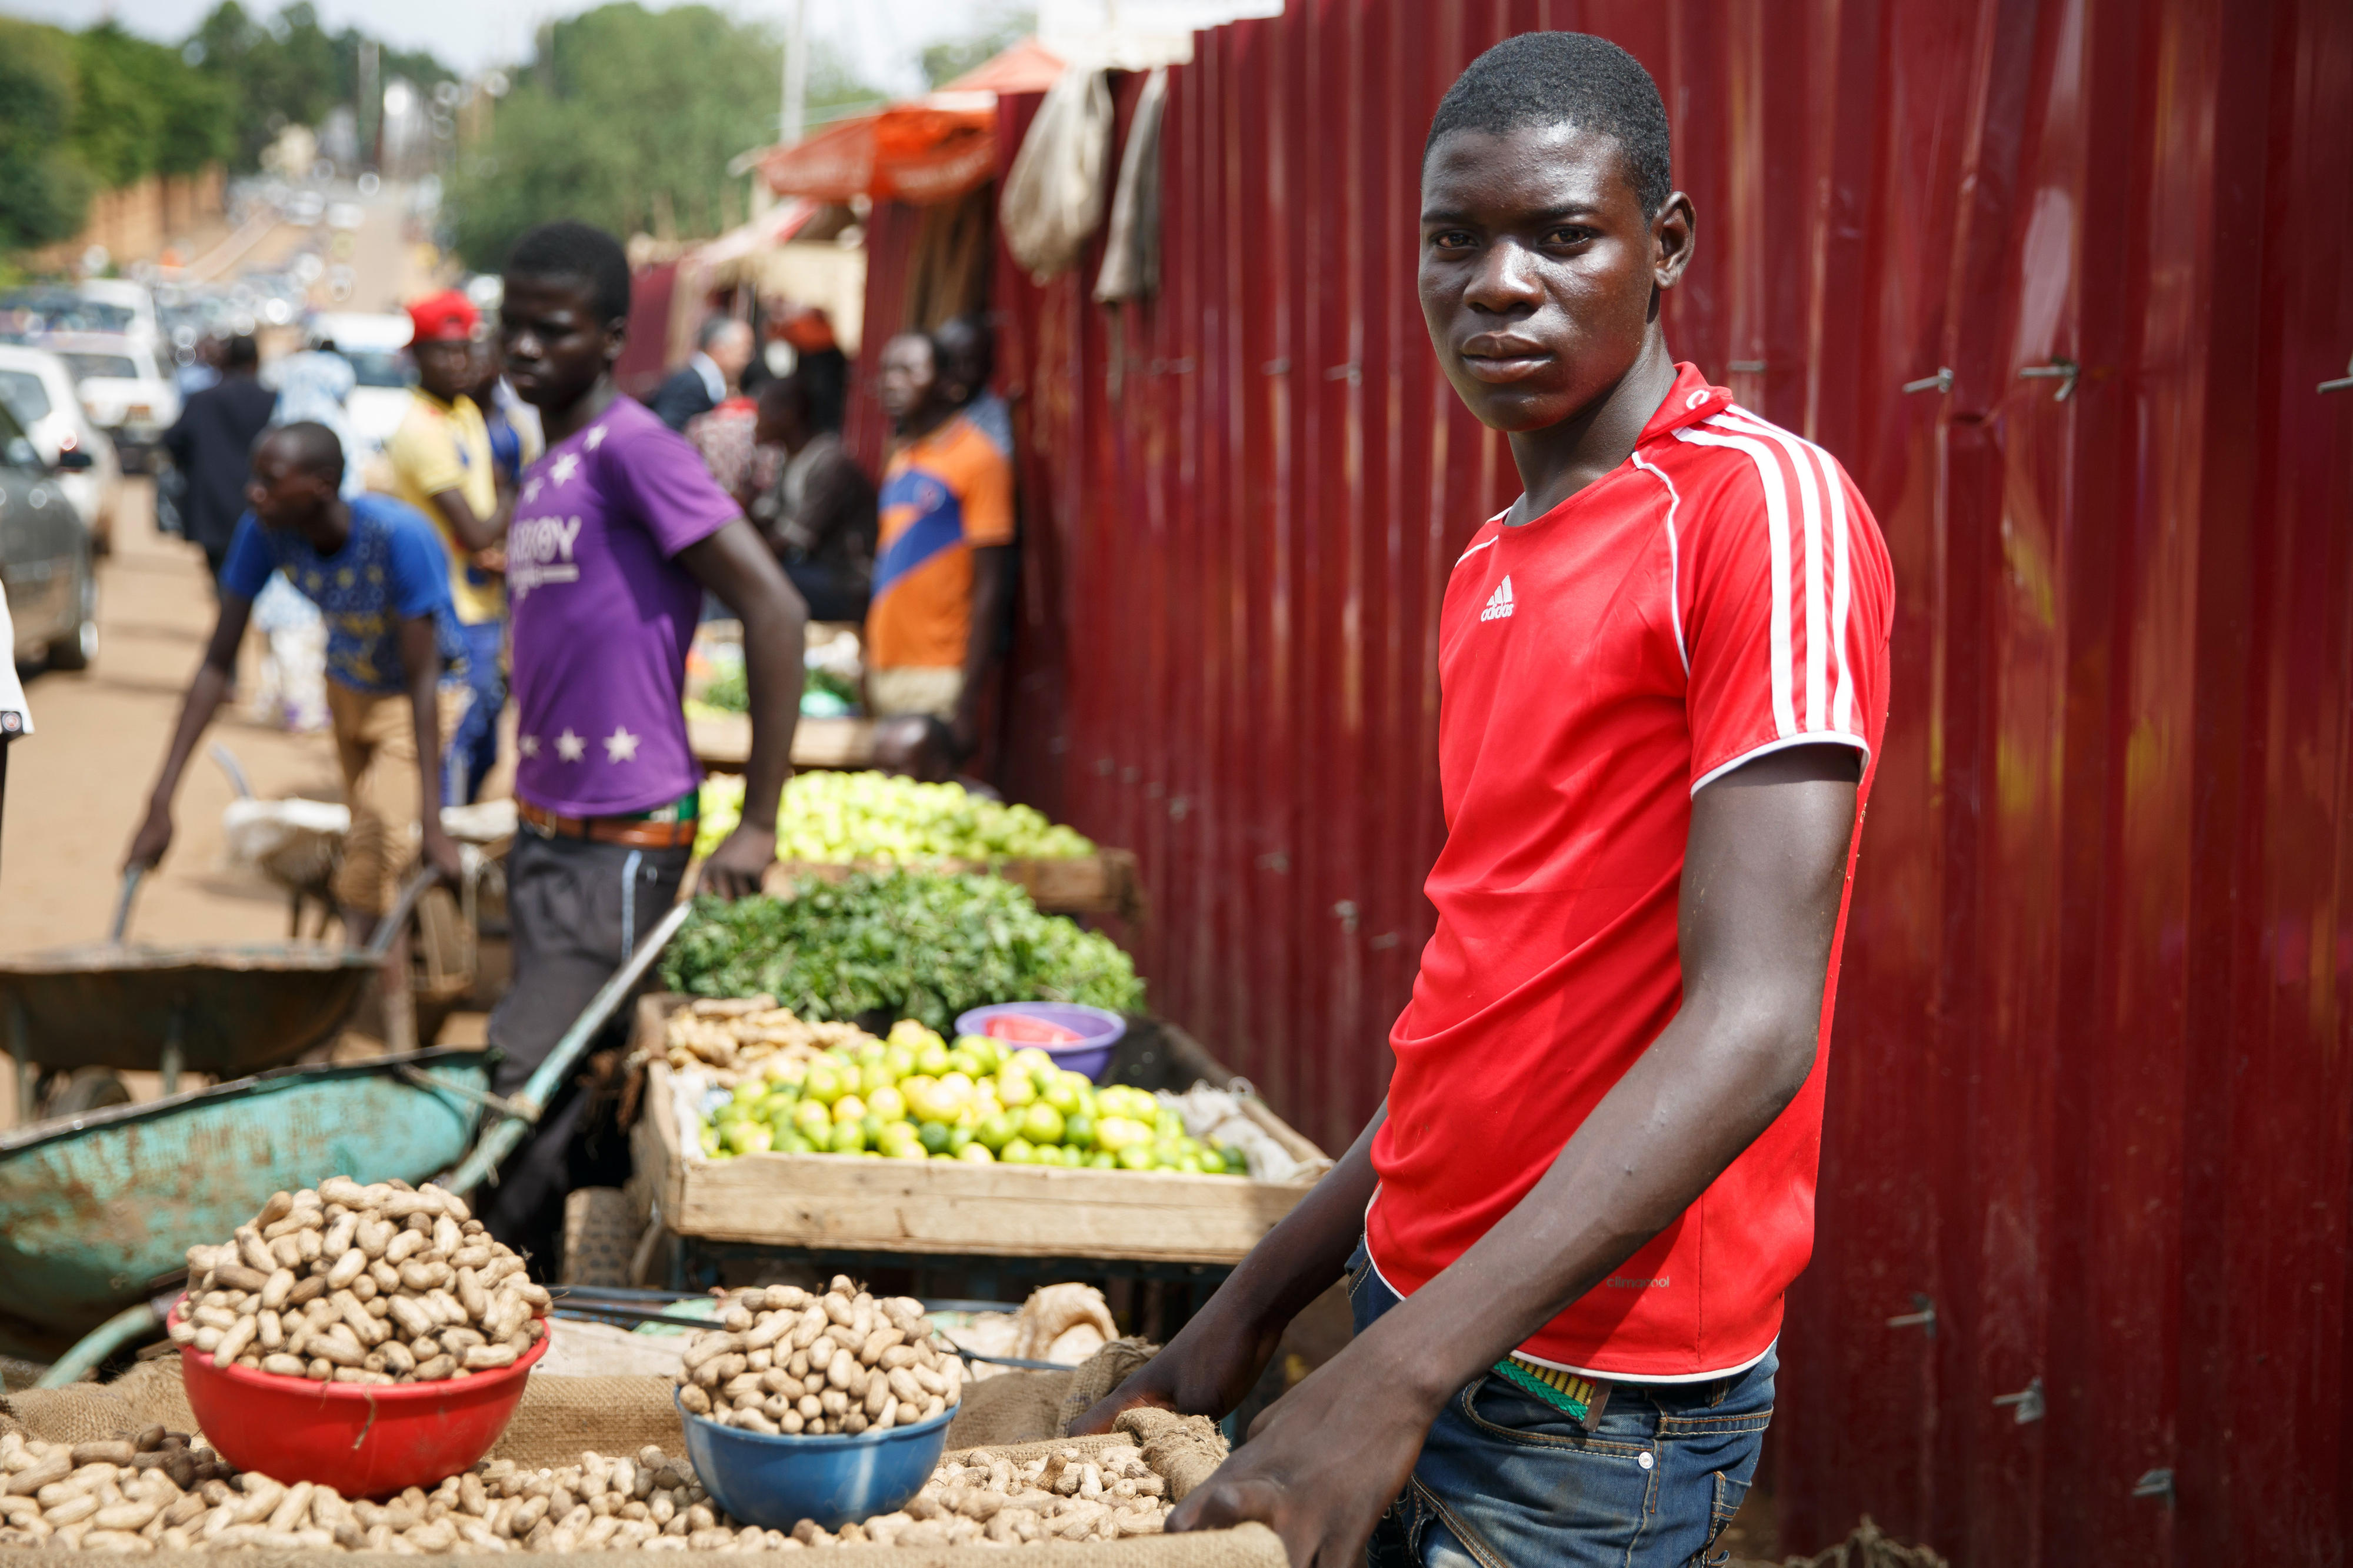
<point>212,446</point>
<point>722,349</point>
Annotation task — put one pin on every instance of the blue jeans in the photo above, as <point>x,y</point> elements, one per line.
<point>475,747</point>
<point>1505,1480</point>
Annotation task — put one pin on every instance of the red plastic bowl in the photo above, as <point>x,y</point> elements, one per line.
<point>364,1440</point>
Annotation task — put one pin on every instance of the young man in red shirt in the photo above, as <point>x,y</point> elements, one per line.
<point>1664,675</point>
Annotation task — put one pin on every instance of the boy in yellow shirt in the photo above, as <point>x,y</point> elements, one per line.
<point>442,465</point>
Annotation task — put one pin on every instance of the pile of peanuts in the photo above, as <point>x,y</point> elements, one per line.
<point>375,1284</point>
<point>114,1494</point>
<point>785,1362</point>
<point>122,1497</point>
<point>130,1496</point>
<point>1067,1495</point>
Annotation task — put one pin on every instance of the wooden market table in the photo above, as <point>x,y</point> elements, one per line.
<point>1023,1219</point>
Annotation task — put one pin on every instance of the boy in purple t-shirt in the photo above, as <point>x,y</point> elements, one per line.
<point>618,531</point>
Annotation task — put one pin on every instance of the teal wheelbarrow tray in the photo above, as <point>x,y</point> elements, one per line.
<point>96,1214</point>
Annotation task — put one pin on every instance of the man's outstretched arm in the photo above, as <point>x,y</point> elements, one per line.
<point>1762,881</point>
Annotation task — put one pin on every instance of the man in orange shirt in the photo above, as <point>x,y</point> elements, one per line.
<point>943,569</point>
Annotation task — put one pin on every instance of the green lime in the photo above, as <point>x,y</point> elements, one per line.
<point>1135,1157</point>
<point>933,1058</point>
<point>1018,1151</point>
<point>1042,1123</point>
<point>975,1155</point>
<point>749,1138</point>
<point>1104,1160</point>
<point>848,1138</point>
<point>935,1135</point>
<point>995,1132</point>
<point>1079,1131</point>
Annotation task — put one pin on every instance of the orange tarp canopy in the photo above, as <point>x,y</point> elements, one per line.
<point>933,151</point>
<point>914,152</point>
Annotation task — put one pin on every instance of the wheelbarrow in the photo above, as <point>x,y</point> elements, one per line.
<point>97,1216</point>
<point>223,1009</point>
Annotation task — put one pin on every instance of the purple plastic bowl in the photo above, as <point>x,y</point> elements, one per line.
<point>1098,1028</point>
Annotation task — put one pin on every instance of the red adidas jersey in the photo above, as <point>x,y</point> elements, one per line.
<point>1722,595</point>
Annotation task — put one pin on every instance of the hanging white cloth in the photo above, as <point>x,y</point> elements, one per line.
<point>1053,198</point>
<point>1131,267</point>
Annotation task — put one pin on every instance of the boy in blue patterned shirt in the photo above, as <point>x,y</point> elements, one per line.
<point>379,575</point>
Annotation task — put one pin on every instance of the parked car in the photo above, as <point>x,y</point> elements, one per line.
<point>120,387</point>
<point>26,314</point>
<point>45,554</point>
<point>38,389</point>
<point>377,346</point>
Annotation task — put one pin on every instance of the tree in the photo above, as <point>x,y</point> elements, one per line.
<point>628,119</point>
<point>141,110</point>
<point>44,190</point>
<point>950,58</point>
<point>289,70</point>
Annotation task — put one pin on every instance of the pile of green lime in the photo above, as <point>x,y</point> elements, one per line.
<point>835,818</point>
<point>913,1095</point>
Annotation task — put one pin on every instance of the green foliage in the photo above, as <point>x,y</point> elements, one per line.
<point>950,58</point>
<point>44,190</point>
<point>142,109</point>
<point>628,119</point>
<point>920,946</point>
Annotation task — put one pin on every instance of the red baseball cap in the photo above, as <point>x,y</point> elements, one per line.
<point>445,317</point>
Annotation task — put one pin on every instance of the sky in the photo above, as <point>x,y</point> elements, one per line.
<point>883,38</point>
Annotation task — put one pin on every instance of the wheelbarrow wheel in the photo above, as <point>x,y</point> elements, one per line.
<point>90,1089</point>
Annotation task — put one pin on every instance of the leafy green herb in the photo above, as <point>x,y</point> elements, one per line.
<point>921,945</point>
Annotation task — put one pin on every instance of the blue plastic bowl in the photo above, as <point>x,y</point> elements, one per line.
<point>1098,1028</point>
<point>776,1482</point>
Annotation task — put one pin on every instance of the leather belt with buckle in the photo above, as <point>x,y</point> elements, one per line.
<point>636,832</point>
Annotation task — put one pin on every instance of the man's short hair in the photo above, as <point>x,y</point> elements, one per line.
<point>580,253</point>
<point>716,327</point>
<point>965,350</point>
<point>313,448</point>
<point>241,352</point>
<point>1574,78</point>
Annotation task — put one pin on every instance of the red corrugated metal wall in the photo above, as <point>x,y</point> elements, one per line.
<point>2091,1096</point>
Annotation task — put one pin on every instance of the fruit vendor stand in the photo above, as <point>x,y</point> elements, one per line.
<point>832,1207</point>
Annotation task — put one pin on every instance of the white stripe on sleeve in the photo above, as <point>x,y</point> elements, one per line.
<point>1841,715</point>
<point>1777,527</point>
<point>1810,504</point>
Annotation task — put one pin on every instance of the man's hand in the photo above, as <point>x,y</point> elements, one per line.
<point>736,868</point>
<point>153,838</point>
<point>1331,1456</point>
<point>442,854</point>
<point>1207,1370</point>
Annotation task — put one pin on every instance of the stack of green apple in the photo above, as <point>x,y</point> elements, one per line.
<point>914,1097</point>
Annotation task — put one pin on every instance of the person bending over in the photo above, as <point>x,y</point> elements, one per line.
<point>375,570</point>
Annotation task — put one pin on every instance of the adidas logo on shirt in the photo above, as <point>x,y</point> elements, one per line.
<point>1499,604</point>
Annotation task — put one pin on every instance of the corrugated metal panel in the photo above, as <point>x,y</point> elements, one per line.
<point>2090,1085</point>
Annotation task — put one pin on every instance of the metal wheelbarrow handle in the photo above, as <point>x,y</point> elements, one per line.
<point>500,1138</point>
<point>404,904</point>
<point>131,877</point>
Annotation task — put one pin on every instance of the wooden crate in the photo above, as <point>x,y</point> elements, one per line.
<point>942,1207</point>
<point>1103,883</point>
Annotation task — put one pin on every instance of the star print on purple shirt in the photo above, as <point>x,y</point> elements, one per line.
<point>602,615</point>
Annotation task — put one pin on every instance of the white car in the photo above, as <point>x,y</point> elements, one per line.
<point>39,390</point>
<point>124,393</point>
<point>125,295</point>
<point>377,346</point>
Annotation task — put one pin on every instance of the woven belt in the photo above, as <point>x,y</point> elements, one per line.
<point>636,832</point>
